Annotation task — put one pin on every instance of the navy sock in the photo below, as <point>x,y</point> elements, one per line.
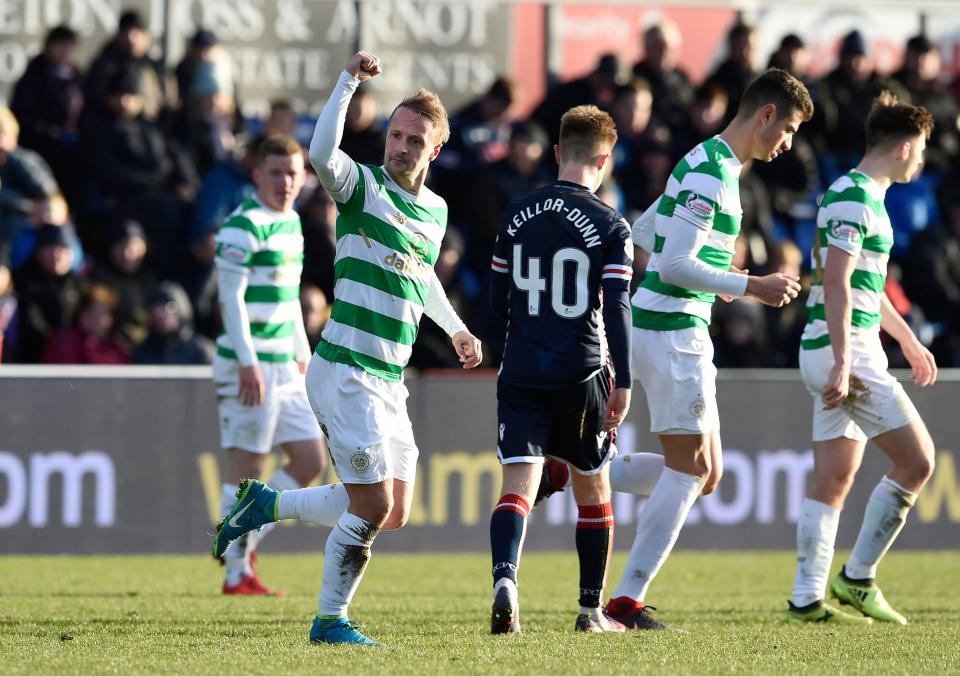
<point>594,540</point>
<point>508,525</point>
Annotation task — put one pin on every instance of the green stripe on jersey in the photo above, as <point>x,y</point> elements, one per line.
<point>863,280</point>
<point>859,319</point>
<point>263,232</point>
<point>271,294</point>
<point>435,215</point>
<point>372,365</point>
<point>361,271</point>
<point>276,257</point>
<point>372,322</point>
<point>854,194</point>
<point>372,228</point>
<point>664,321</point>
<point>878,244</point>
<point>227,353</point>
<point>272,329</point>
<point>815,343</point>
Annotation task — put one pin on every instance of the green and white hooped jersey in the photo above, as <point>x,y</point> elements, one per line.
<point>388,241</point>
<point>852,218</point>
<point>268,246</point>
<point>704,190</point>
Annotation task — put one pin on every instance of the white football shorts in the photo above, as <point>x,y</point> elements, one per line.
<point>283,415</point>
<point>676,371</point>
<point>877,402</point>
<point>365,421</point>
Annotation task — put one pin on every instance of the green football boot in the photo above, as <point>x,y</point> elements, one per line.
<point>822,612</point>
<point>865,596</point>
<point>256,505</point>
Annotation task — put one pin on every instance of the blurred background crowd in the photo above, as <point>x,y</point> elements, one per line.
<point>115,175</point>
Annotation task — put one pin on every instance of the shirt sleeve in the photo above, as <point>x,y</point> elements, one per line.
<point>437,307</point>
<point>644,233</point>
<point>500,279</point>
<point>848,224</point>
<point>615,281</point>
<point>680,266</point>
<point>236,244</point>
<point>337,172</point>
<point>699,199</point>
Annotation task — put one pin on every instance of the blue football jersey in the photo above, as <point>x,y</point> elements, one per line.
<point>557,247</point>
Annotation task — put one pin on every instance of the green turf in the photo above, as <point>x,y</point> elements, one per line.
<point>164,614</point>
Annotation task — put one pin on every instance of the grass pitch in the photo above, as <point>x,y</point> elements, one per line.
<point>164,614</point>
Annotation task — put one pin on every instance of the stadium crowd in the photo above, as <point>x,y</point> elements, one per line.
<point>114,180</point>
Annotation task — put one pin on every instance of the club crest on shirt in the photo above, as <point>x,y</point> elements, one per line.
<point>419,245</point>
<point>398,218</point>
<point>699,205</point>
<point>844,231</point>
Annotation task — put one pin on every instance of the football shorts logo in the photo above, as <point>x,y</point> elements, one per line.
<point>699,205</point>
<point>698,408</point>
<point>844,231</point>
<point>601,438</point>
<point>503,426</point>
<point>360,461</point>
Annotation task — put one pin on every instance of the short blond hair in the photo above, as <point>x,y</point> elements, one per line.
<point>585,133</point>
<point>427,104</point>
<point>8,123</point>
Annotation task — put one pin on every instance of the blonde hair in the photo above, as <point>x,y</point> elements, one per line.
<point>585,133</point>
<point>8,123</point>
<point>427,104</point>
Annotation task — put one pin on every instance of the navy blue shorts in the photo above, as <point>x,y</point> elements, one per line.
<point>564,423</point>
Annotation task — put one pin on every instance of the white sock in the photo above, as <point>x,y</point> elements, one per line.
<point>345,558</point>
<point>321,505</point>
<point>235,556</point>
<point>816,535</point>
<point>280,481</point>
<point>658,526</point>
<point>882,521</point>
<point>635,473</point>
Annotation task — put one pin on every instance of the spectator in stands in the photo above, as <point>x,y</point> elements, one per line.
<point>281,120</point>
<point>479,131</point>
<point>208,124</point>
<point>740,335</point>
<point>139,173</point>
<point>316,311</point>
<point>199,49</point>
<point>171,339</point>
<point>226,185</point>
<point>91,338</point>
<point>53,210</point>
<point>198,276</point>
<point>785,325</point>
<point>9,318</point>
<point>125,273</point>
<point>498,185</point>
<point>126,52</point>
<point>846,95</point>
<point>920,75</point>
<point>596,88</point>
<point>642,156</point>
<point>704,119</point>
<point>738,70</point>
<point>671,88</point>
<point>363,132</point>
<point>756,224</point>
<point>318,219</point>
<point>48,292</point>
<point>25,181</point>
<point>48,101</point>
<point>793,57</point>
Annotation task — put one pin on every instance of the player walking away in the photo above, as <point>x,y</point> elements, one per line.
<point>845,369</point>
<point>388,238</point>
<point>696,224</point>
<point>263,352</point>
<point>558,247</point>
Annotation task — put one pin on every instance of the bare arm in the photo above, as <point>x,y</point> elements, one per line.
<point>921,360</point>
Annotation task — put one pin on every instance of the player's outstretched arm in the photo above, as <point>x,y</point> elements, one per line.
<point>336,171</point>
<point>921,360</point>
